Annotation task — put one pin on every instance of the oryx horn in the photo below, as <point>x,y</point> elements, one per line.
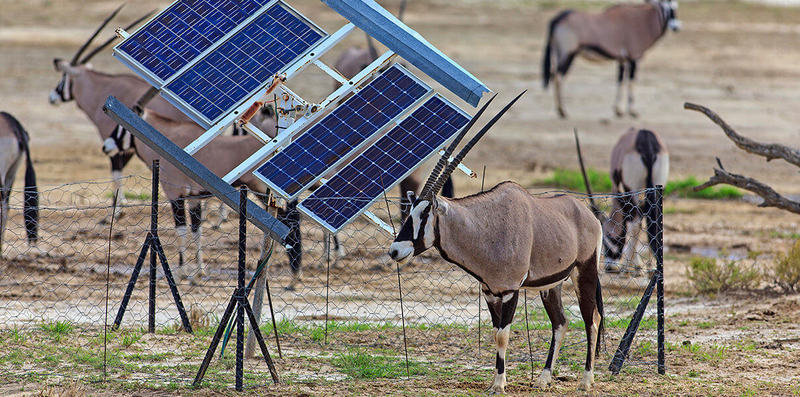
<point>595,209</point>
<point>450,149</point>
<point>108,42</point>
<point>457,160</point>
<point>94,35</point>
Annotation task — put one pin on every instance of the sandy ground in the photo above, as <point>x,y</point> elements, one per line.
<point>739,59</point>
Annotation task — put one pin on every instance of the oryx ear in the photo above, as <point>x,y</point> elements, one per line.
<point>412,197</point>
<point>64,66</point>
<point>440,206</point>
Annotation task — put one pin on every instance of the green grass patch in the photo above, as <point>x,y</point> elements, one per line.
<point>361,364</point>
<point>685,188</point>
<point>131,196</point>
<point>573,180</point>
<point>57,329</point>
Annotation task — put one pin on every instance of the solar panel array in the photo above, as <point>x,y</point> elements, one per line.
<point>234,67</point>
<point>351,124</point>
<point>353,189</point>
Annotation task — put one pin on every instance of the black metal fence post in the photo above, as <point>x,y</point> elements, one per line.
<point>151,312</point>
<point>659,254</point>
<point>240,288</point>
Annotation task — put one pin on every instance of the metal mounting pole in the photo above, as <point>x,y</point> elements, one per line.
<point>659,254</point>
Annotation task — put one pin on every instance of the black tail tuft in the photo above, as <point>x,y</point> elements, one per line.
<point>546,57</point>
<point>602,328</point>
<point>31,193</point>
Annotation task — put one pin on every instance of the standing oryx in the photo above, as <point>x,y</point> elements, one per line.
<point>14,142</point>
<point>622,33</point>
<point>90,88</point>
<point>508,239</point>
<point>220,156</point>
<point>639,160</point>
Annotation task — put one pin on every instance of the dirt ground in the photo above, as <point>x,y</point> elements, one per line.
<point>738,58</point>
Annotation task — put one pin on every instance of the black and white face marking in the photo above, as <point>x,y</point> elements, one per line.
<point>119,141</point>
<point>416,235</point>
<point>668,8</point>
<point>62,92</point>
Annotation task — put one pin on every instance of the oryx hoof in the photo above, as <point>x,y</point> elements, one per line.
<point>498,384</point>
<point>587,381</point>
<point>561,113</point>
<point>613,267</point>
<point>545,378</point>
<point>634,114</point>
<point>618,112</point>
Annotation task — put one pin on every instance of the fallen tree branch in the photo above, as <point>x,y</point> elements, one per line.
<point>770,196</point>
<point>769,150</point>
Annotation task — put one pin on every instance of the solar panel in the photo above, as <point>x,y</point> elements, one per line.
<point>393,157</point>
<point>347,128</point>
<point>210,57</point>
<point>183,31</point>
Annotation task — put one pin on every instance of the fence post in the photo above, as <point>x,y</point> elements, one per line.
<point>151,312</point>
<point>659,254</point>
<point>240,288</point>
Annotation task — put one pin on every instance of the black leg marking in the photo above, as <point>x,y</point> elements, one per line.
<point>631,70</point>
<point>291,217</point>
<point>587,285</point>
<point>500,364</point>
<point>178,212</point>
<point>621,75</point>
<point>196,214</point>
<point>551,299</point>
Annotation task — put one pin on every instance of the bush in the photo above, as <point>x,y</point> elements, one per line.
<point>787,270</point>
<point>707,276</point>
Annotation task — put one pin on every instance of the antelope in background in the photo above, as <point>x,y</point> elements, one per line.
<point>14,142</point>
<point>508,239</point>
<point>354,60</point>
<point>621,33</point>
<point>639,160</point>
<point>220,156</point>
<point>90,88</point>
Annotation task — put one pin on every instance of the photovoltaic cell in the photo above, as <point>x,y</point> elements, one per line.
<point>353,189</point>
<point>244,62</point>
<point>183,31</point>
<point>352,123</point>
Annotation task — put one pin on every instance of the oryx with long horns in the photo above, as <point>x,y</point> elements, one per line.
<point>639,160</point>
<point>508,239</point>
<point>621,33</point>
<point>14,144</point>
<point>90,88</point>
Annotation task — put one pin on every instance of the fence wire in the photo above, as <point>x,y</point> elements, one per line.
<point>346,304</point>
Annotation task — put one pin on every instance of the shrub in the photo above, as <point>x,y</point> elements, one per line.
<point>787,270</point>
<point>708,276</point>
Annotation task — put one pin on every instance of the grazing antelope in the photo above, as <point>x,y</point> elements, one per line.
<point>639,160</point>
<point>508,239</point>
<point>90,88</point>
<point>220,156</point>
<point>621,32</point>
<point>14,142</point>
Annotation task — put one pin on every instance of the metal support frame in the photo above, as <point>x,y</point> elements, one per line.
<point>657,280</point>
<point>286,135</point>
<point>239,302</point>
<point>153,245</point>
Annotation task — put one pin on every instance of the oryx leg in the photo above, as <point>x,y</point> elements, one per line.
<point>563,64</point>
<point>631,79</point>
<point>630,253</point>
<point>179,216</point>
<point>502,311</point>
<point>4,196</point>
<point>291,217</point>
<point>620,82</point>
<point>196,215</point>
<point>555,311</point>
<point>118,162</point>
<point>586,282</point>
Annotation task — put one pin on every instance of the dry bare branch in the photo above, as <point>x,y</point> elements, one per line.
<point>769,150</point>
<point>770,196</point>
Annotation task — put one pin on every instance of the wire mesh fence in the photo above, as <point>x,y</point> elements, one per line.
<point>59,297</point>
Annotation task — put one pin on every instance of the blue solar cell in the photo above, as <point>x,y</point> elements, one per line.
<point>236,68</point>
<point>340,132</point>
<point>182,32</point>
<point>350,192</point>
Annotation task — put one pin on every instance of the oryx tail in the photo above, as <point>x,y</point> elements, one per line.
<point>31,193</point>
<point>547,56</point>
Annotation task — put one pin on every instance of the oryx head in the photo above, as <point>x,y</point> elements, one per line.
<point>669,9</point>
<point>120,141</point>
<point>418,232</point>
<point>77,65</point>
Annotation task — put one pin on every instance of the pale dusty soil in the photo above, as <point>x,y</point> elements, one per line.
<point>740,59</point>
